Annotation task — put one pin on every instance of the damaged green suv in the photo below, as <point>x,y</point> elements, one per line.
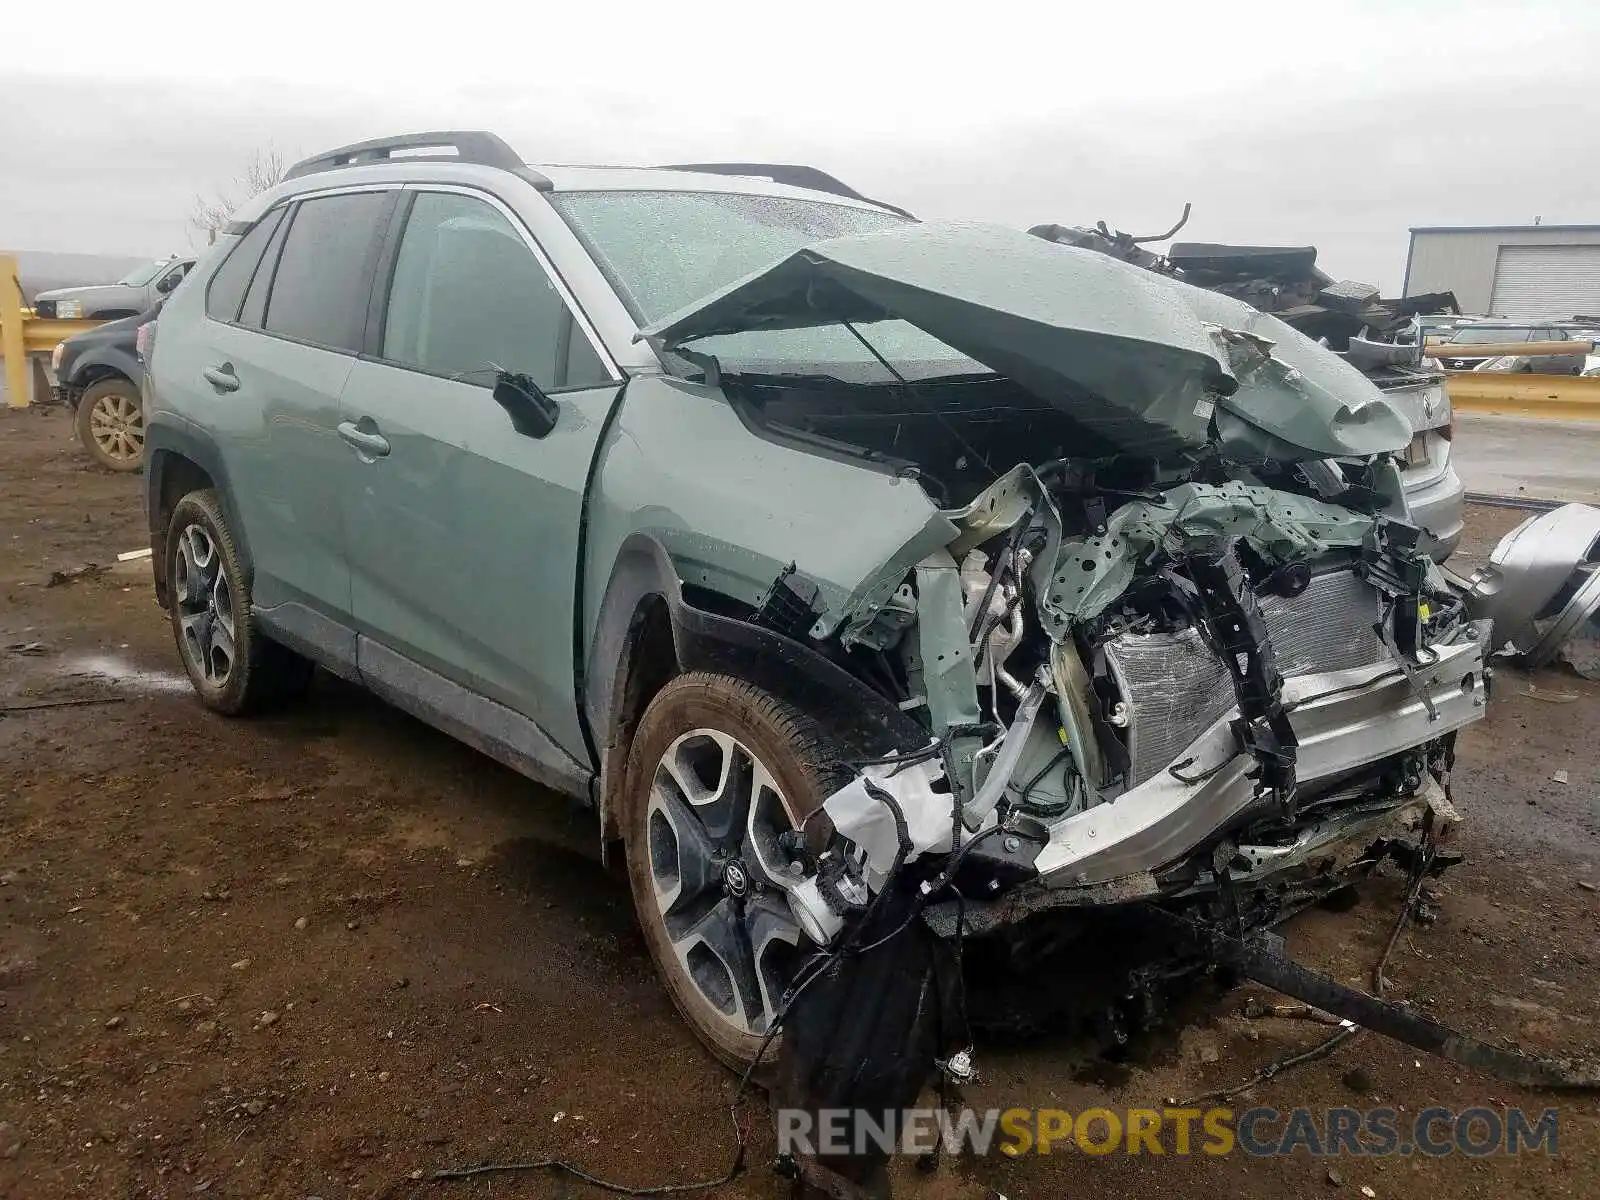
<point>718,496</point>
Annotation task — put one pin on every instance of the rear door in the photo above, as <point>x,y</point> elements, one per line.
<point>277,363</point>
<point>463,533</point>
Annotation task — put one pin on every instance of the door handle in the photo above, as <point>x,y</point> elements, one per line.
<point>369,443</point>
<point>222,378</point>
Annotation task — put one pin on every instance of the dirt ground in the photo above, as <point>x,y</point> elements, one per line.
<point>321,954</point>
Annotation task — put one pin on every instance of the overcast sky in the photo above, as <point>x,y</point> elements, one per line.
<point>1334,124</point>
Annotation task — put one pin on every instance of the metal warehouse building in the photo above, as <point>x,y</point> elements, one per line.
<point>1549,271</point>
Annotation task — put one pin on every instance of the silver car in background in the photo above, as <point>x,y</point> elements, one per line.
<point>1434,492</point>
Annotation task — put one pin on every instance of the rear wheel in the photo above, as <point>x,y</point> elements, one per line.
<point>234,668</point>
<point>110,424</point>
<point>717,772</point>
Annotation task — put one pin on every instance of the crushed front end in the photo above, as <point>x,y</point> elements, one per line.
<point>1201,709</point>
<point>1214,686</point>
<point>1178,637</point>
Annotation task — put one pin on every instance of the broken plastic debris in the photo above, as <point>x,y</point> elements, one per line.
<point>868,822</point>
<point>1539,693</point>
<point>1559,777</point>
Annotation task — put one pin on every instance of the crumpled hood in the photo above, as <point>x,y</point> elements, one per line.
<point>1137,358</point>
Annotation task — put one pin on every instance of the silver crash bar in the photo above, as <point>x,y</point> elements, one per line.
<point>1343,720</point>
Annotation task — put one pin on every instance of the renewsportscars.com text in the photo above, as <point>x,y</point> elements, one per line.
<point>1259,1132</point>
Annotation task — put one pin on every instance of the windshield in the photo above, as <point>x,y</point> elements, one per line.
<point>663,251</point>
<point>1486,335</point>
<point>140,276</point>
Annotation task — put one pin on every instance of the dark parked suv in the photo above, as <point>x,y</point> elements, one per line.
<point>714,500</point>
<point>97,376</point>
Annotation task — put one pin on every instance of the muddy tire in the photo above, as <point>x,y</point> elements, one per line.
<point>234,669</point>
<point>110,424</point>
<point>717,770</point>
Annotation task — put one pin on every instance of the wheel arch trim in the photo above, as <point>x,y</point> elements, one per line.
<point>643,581</point>
<point>102,363</point>
<point>168,441</point>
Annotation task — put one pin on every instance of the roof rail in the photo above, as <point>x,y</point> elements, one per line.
<point>445,145</point>
<point>790,174</point>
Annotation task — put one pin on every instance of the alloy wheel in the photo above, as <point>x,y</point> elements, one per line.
<point>205,606</point>
<point>116,422</point>
<point>714,818</point>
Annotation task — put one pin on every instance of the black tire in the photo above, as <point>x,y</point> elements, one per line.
<point>110,424</point>
<point>210,596</point>
<point>802,758</point>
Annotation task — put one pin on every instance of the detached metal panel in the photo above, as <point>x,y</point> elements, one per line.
<point>1546,281</point>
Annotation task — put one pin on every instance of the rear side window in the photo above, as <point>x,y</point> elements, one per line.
<point>469,296</point>
<point>323,277</point>
<point>229,281</point>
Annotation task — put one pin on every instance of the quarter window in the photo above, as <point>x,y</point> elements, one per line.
<point>229,281</point>
<point>469,297</point>
<point>323,277</point>
<point>254,310</point>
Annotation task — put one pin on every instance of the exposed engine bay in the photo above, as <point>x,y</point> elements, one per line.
<point>1081,648</point>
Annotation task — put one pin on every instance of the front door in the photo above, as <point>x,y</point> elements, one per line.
<point>463,533</point>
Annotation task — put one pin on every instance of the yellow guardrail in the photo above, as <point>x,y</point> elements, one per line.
<point>40,334</point>
<point>1561,397</point>
<point>22,334</point>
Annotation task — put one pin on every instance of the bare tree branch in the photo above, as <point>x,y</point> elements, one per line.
<point>264,169</point>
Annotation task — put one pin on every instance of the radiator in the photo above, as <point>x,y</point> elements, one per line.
<point>1176,687</point>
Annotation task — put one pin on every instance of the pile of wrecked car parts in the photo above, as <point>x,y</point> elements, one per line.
<point>1350,317</point>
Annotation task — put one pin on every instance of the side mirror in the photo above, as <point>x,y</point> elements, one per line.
<point>532,413</point>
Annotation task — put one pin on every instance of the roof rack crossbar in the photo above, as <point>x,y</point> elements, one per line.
<point>469,146</point>
<point>789,174</point>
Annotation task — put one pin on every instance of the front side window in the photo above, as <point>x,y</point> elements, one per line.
<point>323,277</point>
<point>226,290</point>
<point>142,275</point>
<point>469,298</point>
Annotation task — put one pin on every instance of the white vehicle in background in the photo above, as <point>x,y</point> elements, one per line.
<point>1494,333</point>
<point>136,292</point>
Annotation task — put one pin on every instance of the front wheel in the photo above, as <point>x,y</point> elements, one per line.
<point>110,424</point>
<point>717,772</point>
